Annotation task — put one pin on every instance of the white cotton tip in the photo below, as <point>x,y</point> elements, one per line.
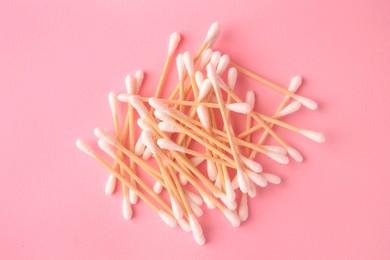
<point>230,204</point>
<point>312,135</point>
<point>199,79</point>
<point>167,218</point>
<point>271,178</point>
<point>250,99</point>
<point>243,209</point>
<point>251,164</point>
<point>112,100</point>
<point>104,135</point>
<point>211,170</point>
<point>295,83</point>
<point>242,181</point>
<point>205,57</point>
<point>233,217</point>
<point>183,223</point>
<point>294,154</point>
<point>212,33</point>
<point>290,108</point>
<point>106,148</point>
<point>204,117</point>
<point>162,116</point>
<point>133,197</point>
<point>124,97</point>
<point>235,182</point>
<point>199,239</point>
<point>168,127</point>
<point>157,187</point>
<point>85,148</point>
<point>196,161</point>
<point>176,208</point>
<point>195,226</point>
<point>242,108</point>
<point>143,124</point>
<point>183,180</point>
<point>110,185</point>
<point>147,154</point>
<point>230,194</point>
<point>252,190</point>
<point>204,89</point>
<point>138,105</point>
<point>207,201</point>
<point>215,58</point>
<point>277,157</point>
<point>126,208</point>
<point>257,178</point>
<point>232,78</point>
<point>181,69</point>
<point>139,147</point>
<point>147,140</point>
<point>167,144</point>
<point>158,105</point>
<point>189,63</point>
<point>139,76</point>
<point>275,149</point>
<point>223,63</point>
<point>173,42</point>
<point>307,102</point>
<point>131,84</point>
<point>194,198</point>
<point>196,209</point>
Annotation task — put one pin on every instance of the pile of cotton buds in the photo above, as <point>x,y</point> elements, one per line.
<point>191,126</point>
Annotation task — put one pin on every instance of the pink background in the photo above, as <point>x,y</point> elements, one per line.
<point>59,59</point>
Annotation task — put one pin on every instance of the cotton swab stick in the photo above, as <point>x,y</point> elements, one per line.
<point>166,216</point>
<point>310,104</point>
<point>181,73</point>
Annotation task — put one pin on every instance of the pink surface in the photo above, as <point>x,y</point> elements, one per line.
<point>59,59</point>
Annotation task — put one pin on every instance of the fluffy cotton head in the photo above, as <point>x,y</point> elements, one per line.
<point>230,204</point>
<point>162,116</point>
<point>290,108</point>
<point>258,179</point>
<point>168,219</point>
<point>271,178</point>
<point>167,144</point>
<point>252,190</point>
<point>211,170</point>
<point>232,216</point>
<point>147,154</point>
<point>176,208</point>
<point>131,84</point>
<point>223,63</point>
<point>275,149</point>
<point>212,34</point>
<point>212,74</point>
<point>307,102</point>
<point>215,58</point>
<point>104,135</point>
<point>312,135</point>
<point>295,83</point>
<point>189,63</point>
<point>199,78</point>
<point>204,116</point>
<point>110,185</point>
<point>138,105</point>
<point>242,108</point>
<point>157,187</point>
<point>204,89</point>
<point>194,198</point>
<point>196,209</point>
<point>183,223</point>
<point>106,148</point>
<point>173,42</point>
<point>230,194</point>
<point>243,209</point>
<point>294,154</point>
<point>133,197</point>
<point>124,97</point>
<point>168,127</point>
<point>205,57</point>
<point>242,181</point>
<point>112,100</point>
<point>85,148</point>
<point>251,164</point>
<point>181,69</point>
<point>158,105</point>
<point>232,78</point>
<point>207,201</point>
<point>148,141</point>
<point>143,124</point>
<point>250,99</point>
<point>126,208</point>
<point>139,147</point>
<point>139,76</point>
<point>277,157</point>
<point>195,226</point>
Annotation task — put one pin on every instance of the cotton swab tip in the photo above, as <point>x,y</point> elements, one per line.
<point>104,135</point>
<point>212,34</point>
<point>232,78</point>
<point>85,148</point>
<point>131,84</point>
<point>184,225</point>
<point>177,211</point>
<point>199,239</point>
<point>215,58</point>
<point>204,89</point>
<point>280,158</point>
<point>139,106</point>
<point>295,83</point>
<point>310,104</point>
<point>133,197</point>
<point>294,154</point>
<point>242,181</point>
<point>167,144</point>
<point>147,140</point>
<point>289,109</point>
<point>258,179</point>
<point>223,63</point>
<point>143,124</point>
<point>157,187</point>
<point>139,76</point>
<point>181,69</point>
<point>195,226</point>
<point>139,147</point>
<point>113,103</point>
<point>168,127</point>
<point>162,116</point>
<point>173,42</point>
<point>243,209</point>
<point>205,57</point>
<point>189,63</point>
<point>271,178</point>
<point>158,105</point>
<point>312,135</point>
<point>232,216</point>
<point>275,149</point>
<point>211,170</point>
<point>199,78</point>
<point>167,218</point>
<point>106,148</point>
<point>110,185</point>
<point>126,209</point>
<point>203,115</point>
<point>250,99</point>
<point>251,164</point>
<point>242,108</point>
